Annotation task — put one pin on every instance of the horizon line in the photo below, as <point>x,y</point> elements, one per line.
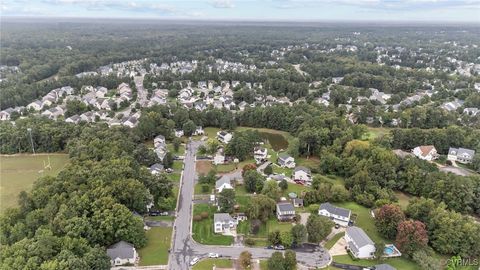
<point>238,20</point>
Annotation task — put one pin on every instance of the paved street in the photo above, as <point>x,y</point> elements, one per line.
<point>184,248</point>
<point>141,92</point>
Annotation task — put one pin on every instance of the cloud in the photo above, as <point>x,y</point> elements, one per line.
<point>222,4</point>
<point>131,6</point>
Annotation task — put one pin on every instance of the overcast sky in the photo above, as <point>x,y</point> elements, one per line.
<point>284,10</point>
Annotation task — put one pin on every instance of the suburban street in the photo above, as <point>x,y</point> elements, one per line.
<point>184,248</point>
<point>141,92</point>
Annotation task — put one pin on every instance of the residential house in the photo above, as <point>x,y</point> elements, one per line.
<point>179,133</point>
<point>340,216</point>
<point>75,119</point>
<point>285,160</point>
<point>53,113</point>
<point>359,244</point>
<point>379,96</point>
<point>285,211</point>
<point>452,105</point>
<point>157,100</point>
<point>159,141</point>
<point>37,105</point>
<point>200,106</point>
<point>425,152</point>
<point>302,174</point>
<point>461,155</point>
<point>156,168</point>
<point>160,152</point>
<point>5,114</point>
<point>471,111</point>
<point>224,136</point>
<point>260,154</point>
<point>223,223</point>
<point>223,183</point>
<point>122,253</point>
<point>219,157</point>
<point>242,105</point>
<point>337,80</point>
<point>131,122</point>
<point>297,202</point>
<point>198,131</point>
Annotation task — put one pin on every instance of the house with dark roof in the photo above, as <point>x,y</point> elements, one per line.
<point>285,160</point>
<point>340,216</point>
<point>462,155</point>
<point>224,136</point>
<point>122,253</point>
<point>358,243</point>
<point>285,211</point>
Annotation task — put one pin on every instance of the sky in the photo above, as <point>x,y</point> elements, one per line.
<point>251,10</point>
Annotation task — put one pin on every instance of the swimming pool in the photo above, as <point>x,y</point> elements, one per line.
<point>388,250</point>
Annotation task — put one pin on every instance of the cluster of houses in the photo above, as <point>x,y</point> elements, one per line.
<point>178,67</point>
<point>124,69</point>
<point>429,153</point>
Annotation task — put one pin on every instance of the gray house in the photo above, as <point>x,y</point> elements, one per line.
<point>122,253</point>
<point>461,155</point>
<point>340,216</point>
<point>285,211</point>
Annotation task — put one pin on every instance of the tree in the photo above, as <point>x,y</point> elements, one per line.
<point>176,144</point>
<point>283,185</point>
<point>261,207</point>
<point>387,219</point>
<point>268,170</point>
<point>276,261</point>
<point>379,249</point>
<point>411,236</point>
<point>189,128</point>
<point>427,260</point>
<point>248,167</point>
<point>253,181</point>
<point>271,189</point>
<point>290,260</point>
<point>318,227</point>
<point>226,200</point>
<point>245,259</point>
<point>273,238</point>
<point>168,160</point>
<point>286,239</point>
<point>299,234</point>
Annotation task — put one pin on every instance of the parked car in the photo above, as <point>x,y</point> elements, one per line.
<point>213,255</point>
<point>194,260</point>
<point>279,247</point>
<point>269,247</point>
<point>337,226</point>
<point>163,214</point>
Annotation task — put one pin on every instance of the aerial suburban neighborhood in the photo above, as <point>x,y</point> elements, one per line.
<point>274,143</point>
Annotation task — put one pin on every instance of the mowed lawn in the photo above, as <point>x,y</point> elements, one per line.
<point>207,264</point>
<point>18,172</point>
<point>158,243</point>
<point>202,231</point>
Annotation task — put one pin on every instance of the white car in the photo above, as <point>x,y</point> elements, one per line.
<point>213,255</point>
<point>194,260</point>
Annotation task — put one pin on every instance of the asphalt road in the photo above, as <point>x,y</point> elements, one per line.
<point>184,248</point>
<point>141,92</point>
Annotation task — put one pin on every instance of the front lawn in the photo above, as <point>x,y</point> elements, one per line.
<point>275,225</point>
<point>175,177</point>
<point>295,188</point>
<point>211,132</point>
<point>180,152</point>
<point>330,243</point>
<point>202,231</point>
<point>364,220</point>
<point>207,264</point>
<point>398,263</point>
<point>177,165</point>
<point>158,243</point>
<point>199,191</point>
<point>311,162</point>
<point>160,218</point>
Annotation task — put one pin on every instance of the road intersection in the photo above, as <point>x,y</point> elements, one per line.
<point>184,248</point>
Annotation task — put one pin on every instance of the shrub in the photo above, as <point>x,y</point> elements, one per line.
<point>249,242</point>
<point>197,218</point>
<point>203,215</point>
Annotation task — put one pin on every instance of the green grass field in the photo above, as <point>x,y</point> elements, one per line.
<point>202,231</point>
<point>158,243</point>
<point>18,172</point>
<point>330,243</point>
<point>207,264</point>
<point>398,263</point>
<point>374,133</point>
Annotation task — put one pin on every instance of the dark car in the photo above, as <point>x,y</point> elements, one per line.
<point>269,247</point>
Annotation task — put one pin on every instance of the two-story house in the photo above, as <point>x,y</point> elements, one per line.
<point>285,160</point>
<point>223,223</point>
<point>302,174</point>
<point>358,243</point>
<point>285,211</point>
<point>340,216</point>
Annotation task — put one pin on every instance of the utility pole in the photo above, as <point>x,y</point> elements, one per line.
<point>31,140</point>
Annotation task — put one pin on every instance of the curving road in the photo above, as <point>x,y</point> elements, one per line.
<point>184,248</point>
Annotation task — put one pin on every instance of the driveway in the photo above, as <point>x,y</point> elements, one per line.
<point>339,248</point>
<point>184,248</point>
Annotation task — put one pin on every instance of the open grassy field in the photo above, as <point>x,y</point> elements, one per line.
<point>18,172</point>
<point>158,243</point>
<point>207,264</point>
<point>202,231</point>
<point>403,199</point>
<point>374,133</point>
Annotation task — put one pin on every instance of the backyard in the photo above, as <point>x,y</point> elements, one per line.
<point>18,172</point>
<point>158,243</point>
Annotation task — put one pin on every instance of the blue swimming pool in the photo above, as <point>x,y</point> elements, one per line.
<point>388,250</point>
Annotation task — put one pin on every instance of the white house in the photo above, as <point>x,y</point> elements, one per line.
<point>159,141</point>
<point>284,160</point>
<point>73,119</point>
<point>425,152</point>
<point>302,174</point>
<point>358,243</point>
<point>340,216</point>
<point>37,105</point>
<point>178,133</point>
<point>219,157</point>
<point>461,155</point>
<point>223,183</point>
<point>285,211</point>
<point>5,114</point>
<point>122,253</point>
<point>223,223</point>
<point>260,154</point>
<point>198,131</point>
<point>224,136</point>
